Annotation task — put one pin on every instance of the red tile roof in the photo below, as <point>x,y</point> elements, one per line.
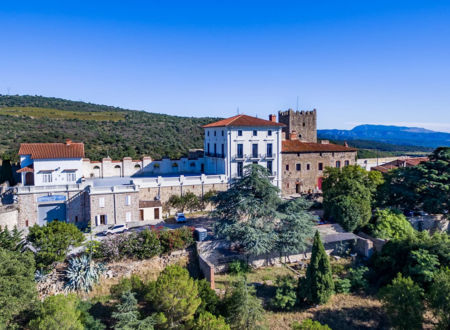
<point>25,169</point>
<point>299,146</point>
<point>243,120</point>
<point>408,162</point>
<point>52,150</point>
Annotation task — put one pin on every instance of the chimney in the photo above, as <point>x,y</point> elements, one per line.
<point>293,135</point>
<point>345,144</point>
<point>273,118</point>
<point>68,142</point>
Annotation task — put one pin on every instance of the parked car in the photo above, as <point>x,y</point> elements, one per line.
<point>180,217</point>
<point>116,229</point>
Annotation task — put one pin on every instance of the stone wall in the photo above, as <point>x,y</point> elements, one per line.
<point>114,208</point>
<point>303,123</point>
<point>308,179</point>
<point>9,216</point>
<point>207,270</point>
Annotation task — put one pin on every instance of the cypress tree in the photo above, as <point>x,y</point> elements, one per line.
<point>318,286</point>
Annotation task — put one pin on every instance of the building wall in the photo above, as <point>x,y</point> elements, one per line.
<point>304,123</point>
<point>308,179</point>
<point>9,217</point>
<point>114,208</point>
<point>58,168</point>
<point>149,213</point>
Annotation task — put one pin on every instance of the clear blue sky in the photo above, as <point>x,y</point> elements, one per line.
<point>355,61</point>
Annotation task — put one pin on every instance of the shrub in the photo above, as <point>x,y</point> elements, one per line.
<point>10,240</point>
<point>53,240</point>
<point>111,248</point>
<point>143,245</point>
<point>286,295</point>
<point>403,303</point>
<point>357,278</point>
<point>176,239</point>
<point>391,224</point>
<point>423,265</point>
<point>207,321</point>
<point>238,267</point>
<point>309,324</point>
<point>82,273</point>
<point>439,297</point>
<point>209,299</point>
<point>342,285</point>
<point>93,248</point>
<point>133,283</point>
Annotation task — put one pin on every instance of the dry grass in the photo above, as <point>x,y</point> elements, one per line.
<point>343,311</point>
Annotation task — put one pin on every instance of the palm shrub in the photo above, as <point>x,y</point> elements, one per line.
<point>82,273</point>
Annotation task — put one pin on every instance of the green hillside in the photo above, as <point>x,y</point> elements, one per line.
<point>105,130</point>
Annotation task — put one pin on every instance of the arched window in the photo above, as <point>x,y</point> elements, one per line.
<point>137,166</point>
<point>117,170</point>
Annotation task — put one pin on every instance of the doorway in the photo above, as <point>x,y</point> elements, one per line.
<point>298,188</point>
<point>141,215</point>
<point>156,213</point>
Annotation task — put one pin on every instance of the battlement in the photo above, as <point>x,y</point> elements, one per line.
<point>303,123</point>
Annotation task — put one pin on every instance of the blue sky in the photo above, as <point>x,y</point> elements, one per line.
<point>355,61</point>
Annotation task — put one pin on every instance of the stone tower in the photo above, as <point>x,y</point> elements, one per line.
<point>303,123</point>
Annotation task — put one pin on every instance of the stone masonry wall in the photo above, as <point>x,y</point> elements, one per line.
<point>304,123</point>
<point>115,207</point>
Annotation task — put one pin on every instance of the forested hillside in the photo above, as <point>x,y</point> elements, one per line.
<point>105,130</point>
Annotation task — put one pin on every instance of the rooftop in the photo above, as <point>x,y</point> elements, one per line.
<point>243,121</point>
<point>299,146</point>
<point>399,163</point>
<point>52,150</point>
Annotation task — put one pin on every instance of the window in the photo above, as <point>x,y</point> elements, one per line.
<point>255,162</point>
<point>269,149</point>
<point>298,167</point>
<point>240,150</point>
<point>215,133</point>
<point>223,149</point>
<point>137,167</point>
<point>269,166</point>
<point>223,133</point>
<point>320,166</point>
<point>346,163</point>
<point>255,133</point>
<point>101,202</point>
<point>255,150</point>
<point>287,167</point>
<point>239,132</point>
<point>308,167</point>
<point>47,177</point>
<point>71,177</point>
<point>76,218</point>
<point>338,164</point>
<point>128,216</point>
<point>128,200</point>
<point>240,169</point>
<point>215,149</point>
<point>207,148</point>
<point>103,220</point>
<point>269,132</point>
<point>207,133</point>
<point>192,164</point>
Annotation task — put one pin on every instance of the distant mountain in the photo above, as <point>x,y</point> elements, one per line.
<point>407,136</point>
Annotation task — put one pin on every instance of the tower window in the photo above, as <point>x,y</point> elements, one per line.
<point>298,167</point>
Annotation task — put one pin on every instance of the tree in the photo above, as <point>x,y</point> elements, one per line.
<point>309,324</point>
<point>175,294</point>
<point>17,286</point>
<point>423,265</point>
<point>252,215</point>
<point>318,285</point>
<point>424,186</point>
<point>10,240</point>
<point>207,198</point>
<point>209,298</point>
<point>207,321</point>
<point>53,240</point>
<point>348,194</point>
<point>439,297</point>
<point>403,303</point>
<point>244,310</point>
<point>6,173</point>
<point>285,295</point>
<point>391,224</point>
<point>88,321</point>
<point>190,201</point>
<point>58,313</point>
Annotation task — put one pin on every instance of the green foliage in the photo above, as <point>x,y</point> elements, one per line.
<point>318,285</point>
<point>342,285</point>
<point>439,297</point>
<point>53,241</point>
<point>10,240</point>
<point>286,293</point>
<point>82,274</point>
<point>309,324</point>
<point>348,194</point>
<point>252,215</point>
<point>243,309</point>
<point>105,130</point>
<point>207,321</point>
<point>175,294</point>
<point>87,320</point>
<point>357,277</point>
<point>403,303</point>
<point>17,287</point>
<point>423,265</point>
<point>238,267</point>
<point>58,313</point>
<point>188,201</point>
<point>391,224</point>
<point>425,186</point>
<point>143,245</point>
<point>132,283</point>
<point>176,239</point>
<point>93,248</point>
<point>396,257</point>
<point>209,299</point>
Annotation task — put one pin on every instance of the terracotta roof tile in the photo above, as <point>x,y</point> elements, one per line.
<point>52,150</point>
<point>25,169</point>
<point>408,162</point>
<point>299,146</point>
<point>244,121</point>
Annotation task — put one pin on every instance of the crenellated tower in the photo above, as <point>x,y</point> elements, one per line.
<point>303,123</point>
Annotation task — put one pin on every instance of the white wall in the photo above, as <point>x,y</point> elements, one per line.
<point>58,167</point>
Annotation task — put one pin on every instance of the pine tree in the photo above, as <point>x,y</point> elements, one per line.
<point>127,312</point>
<point>244,309</point>
<point>318,285</point>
